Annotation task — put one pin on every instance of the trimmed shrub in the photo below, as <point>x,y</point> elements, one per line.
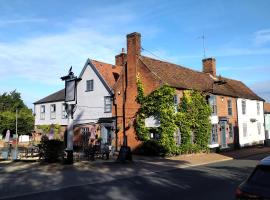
<point>51,150</point>
<point>151,148</point>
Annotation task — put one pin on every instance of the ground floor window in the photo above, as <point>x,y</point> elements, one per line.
<point>214,134</point>
<point>259,127</point>
<point>245,129</point>
<point>231,131</point>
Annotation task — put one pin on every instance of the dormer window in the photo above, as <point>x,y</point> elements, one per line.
<point>89,85</point>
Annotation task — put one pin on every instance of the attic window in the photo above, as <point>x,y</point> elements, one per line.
<point>89,85</point>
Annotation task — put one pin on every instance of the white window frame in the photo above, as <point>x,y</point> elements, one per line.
<point>53,111</point>
<point>214,134</point>
<point>229,102</point>
<point>63,112</point>
<point>213,103</point>
<point>107,104</point>
<point>259,127</point>
<point>258,108</point>
<point>231,130</point>
<point>42,112</point>
<point>244,129</point>
<point>244,107</point>
<point>89,85</point>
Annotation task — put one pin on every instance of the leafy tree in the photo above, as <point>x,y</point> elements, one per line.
<point>9,102</point>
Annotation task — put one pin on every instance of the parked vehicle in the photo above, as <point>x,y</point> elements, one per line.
<point>257,185</point>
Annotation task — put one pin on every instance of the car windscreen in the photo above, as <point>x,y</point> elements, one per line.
<point>261,176</point>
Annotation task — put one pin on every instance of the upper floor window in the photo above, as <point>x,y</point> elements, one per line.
<point>107,104</point>
<point>53,111</point>
<point>243,107</point>
<point>64,113</point>
<point>229,107</point>
<point>176,102</point>
<point>89,85</point>
<point>258,108</point>
<point>213,104</point>
<point>245,129</point>
<point>42,112</point>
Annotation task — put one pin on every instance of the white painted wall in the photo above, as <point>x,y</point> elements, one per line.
<point>252,129</point>
<point>48,120</point>
<point>90,104</point>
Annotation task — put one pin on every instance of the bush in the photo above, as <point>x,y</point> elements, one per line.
<point>51,150</point>
<point>151,148</point>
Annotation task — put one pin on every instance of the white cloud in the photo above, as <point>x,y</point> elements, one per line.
<point>262,37</point>
<point>46,58</point>
<point>21,20</point>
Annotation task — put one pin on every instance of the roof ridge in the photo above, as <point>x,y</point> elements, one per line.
<point>193,70</point>
<point>104,62</point>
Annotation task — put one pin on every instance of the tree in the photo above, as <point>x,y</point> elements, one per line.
<point>9,102</point>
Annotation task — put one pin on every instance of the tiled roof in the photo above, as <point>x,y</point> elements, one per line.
<point>57,96</point>
<point>183,78</point>
<point>267,107</point>
<point>110,73</point>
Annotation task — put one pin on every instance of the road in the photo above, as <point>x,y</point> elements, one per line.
<point>212,181</point>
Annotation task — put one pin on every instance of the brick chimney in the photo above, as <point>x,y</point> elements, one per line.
<point>121,58</point>
<point>133,52</point>
<point>209,66</point>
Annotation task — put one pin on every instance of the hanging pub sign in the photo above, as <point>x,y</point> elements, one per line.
<point>70,90</point>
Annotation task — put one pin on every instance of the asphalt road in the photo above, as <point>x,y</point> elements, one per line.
<point>213,181</point>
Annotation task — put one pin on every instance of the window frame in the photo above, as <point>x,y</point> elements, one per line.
<point>231,133</point>
<point>259,128</point>
<point>107,107</point>
<point>245,130</point>
<point>258,108</point>
<point>229,104</point>
<point>214,134</point>
<point>42,112</point>
<point>213,104</point>
<point>63,111</point>
<point>244,107</point>
<point>89,85</point>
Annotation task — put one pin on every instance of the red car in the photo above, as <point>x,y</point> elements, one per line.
<point>257,185</point>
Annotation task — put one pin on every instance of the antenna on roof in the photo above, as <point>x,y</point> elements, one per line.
<point>143,49</point>
<point>203,41</point>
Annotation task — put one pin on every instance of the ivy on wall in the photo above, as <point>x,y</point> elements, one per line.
<point>192,119</point>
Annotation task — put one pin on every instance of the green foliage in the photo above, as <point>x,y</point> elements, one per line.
<point>160,105</point>
<point>8,105</point>
<point>47,128</point>
<point>51,150</point>
<point>192,120</point>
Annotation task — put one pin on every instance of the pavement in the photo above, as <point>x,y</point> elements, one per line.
<point>29,177</point>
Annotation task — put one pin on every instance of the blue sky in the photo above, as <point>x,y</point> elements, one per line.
<point>40,40</point>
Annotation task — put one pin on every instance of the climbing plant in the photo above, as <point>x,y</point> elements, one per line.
<point>192,119</point>
<point>193,122</point>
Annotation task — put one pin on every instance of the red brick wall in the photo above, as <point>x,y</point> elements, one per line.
<point>222,111</point>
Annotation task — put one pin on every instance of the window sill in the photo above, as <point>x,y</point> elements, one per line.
<point>89,90</point>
